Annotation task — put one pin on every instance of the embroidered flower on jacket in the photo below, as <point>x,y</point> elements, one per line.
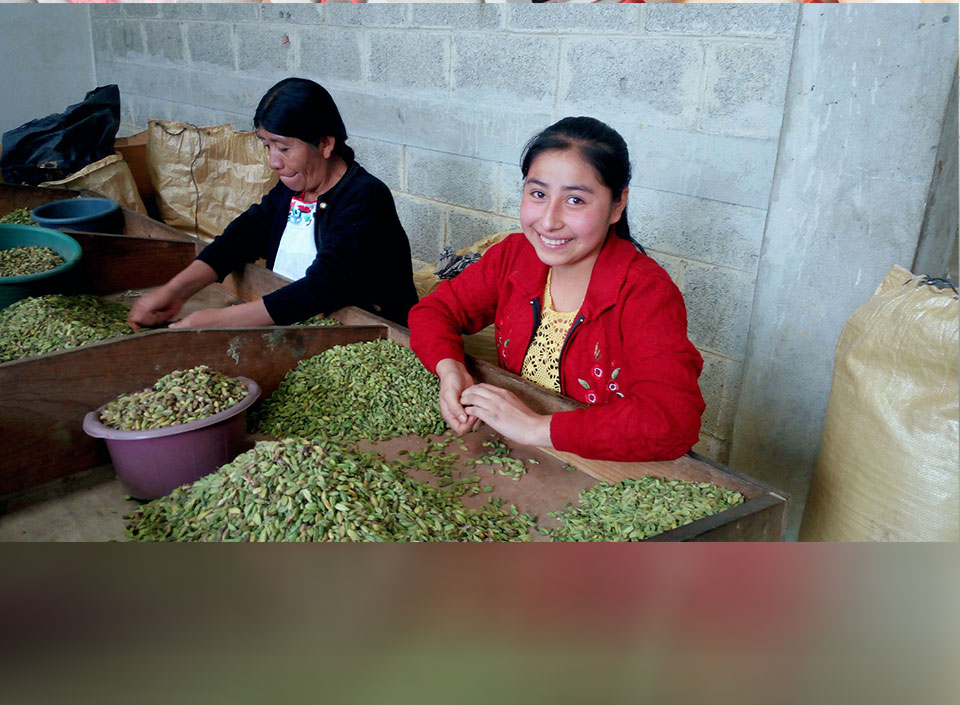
<point>592,398</point>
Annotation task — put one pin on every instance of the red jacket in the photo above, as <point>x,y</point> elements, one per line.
<point>626,356</point>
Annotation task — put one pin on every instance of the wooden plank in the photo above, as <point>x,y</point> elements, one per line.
<point>112,263</point>
<point>14,196</point>
<point>43,400</point>
<point>760,519</point>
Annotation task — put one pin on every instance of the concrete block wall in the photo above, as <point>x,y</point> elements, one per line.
<point>439,100</point>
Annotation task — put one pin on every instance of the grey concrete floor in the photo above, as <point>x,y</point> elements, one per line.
<point>89,506</point>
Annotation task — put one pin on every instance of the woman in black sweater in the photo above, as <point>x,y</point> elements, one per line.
<point>328,225</point>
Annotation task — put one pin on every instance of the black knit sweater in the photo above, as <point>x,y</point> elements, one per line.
<point>363,256</point>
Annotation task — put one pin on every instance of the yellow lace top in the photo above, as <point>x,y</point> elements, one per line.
<point>542,362</point>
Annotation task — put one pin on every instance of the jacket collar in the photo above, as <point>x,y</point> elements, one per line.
<point>609,272</point>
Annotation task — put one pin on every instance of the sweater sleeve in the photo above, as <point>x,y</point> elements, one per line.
<point>337,277</point>
<point>658,417</point>
<point>246,238</point>
<point>462,305</point>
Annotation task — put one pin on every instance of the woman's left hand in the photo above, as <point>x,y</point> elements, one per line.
<point>502,411</point>
<point>207,318</point>
<point>251,313</point>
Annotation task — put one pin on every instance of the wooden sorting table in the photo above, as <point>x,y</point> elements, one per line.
<point>43,399</point>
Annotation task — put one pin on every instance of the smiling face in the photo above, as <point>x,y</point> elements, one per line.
<point>566,211</point>
<point>300,165</point>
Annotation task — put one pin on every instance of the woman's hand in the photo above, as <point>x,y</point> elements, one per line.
<point>163,303</point>
<point>251,313</point>
<point>153,308</point>
<point>454,378</point>
<point>507,415</point>
<point>206,318</point>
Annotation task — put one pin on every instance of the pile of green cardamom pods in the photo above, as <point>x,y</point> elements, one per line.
<point>45,324</point>
<point>631,510</point>
<point>179,397</point>
<point>300,490</point>
<point>17,261</point>
<point>319,320</point>
<point>20,216</point>
<point>373,390</point>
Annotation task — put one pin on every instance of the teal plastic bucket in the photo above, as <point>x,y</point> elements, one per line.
<point>13,289</point>
<point>89,213</point>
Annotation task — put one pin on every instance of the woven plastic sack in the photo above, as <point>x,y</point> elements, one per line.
<point>889,460</point>
<point>481,344</point>
<point>205,177</point>
<point>110,177</point>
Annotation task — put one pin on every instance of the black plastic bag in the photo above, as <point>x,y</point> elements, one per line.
<point>450,264</point>
<point>55,146</point>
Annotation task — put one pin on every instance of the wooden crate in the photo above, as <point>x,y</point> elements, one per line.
<point>43,399</point>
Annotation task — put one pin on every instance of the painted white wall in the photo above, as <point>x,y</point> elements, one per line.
<point>47,60</point>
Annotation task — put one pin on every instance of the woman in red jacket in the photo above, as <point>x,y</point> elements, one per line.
<point>577,307</point>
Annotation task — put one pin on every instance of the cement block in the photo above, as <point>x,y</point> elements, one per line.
<point>231,11</point>
<point>128,40</point>
<point>289,13</point>
<point>266,50</point>
<point>467,227</point>
<point>240,94</point>
<point>328,53</point>
<point>602,19</point>
<point>140,11</point>
<point>720,386</point>
<point>104,11</point>
<point>416,60</point>
<point>383,15</point>
<point>672,265</point>
<point>181,11</point>
<point>195,114</point>
<point>655,81</point>
<point>505,69</point>
<point>469,16</point>
<point>719,302</point>
<point>695,228</point>
<point>164,41</point>
<point>236,120</point>
<point>341,14</point>
<point>210,45</point>
<point>423,221</point>
<point>729,169</point>
<point>382,159</point>
<point>453,179</point>
<point>757,20</point>
<point>468,128</point>
<point>102,33</point>
<point>713,448</point>
<point>511,190</point>
<point>167,82</point>
<point>745,89</point>
<point>146,108</point>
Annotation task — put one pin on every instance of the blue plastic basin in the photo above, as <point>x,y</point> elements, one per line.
<point>90,214</point>
<point>15,288</point>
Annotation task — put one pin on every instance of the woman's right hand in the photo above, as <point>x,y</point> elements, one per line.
<point>153,308</point>
<point>454,378</point>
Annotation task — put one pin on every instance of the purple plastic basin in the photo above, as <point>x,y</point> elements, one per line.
<point>153,463</point>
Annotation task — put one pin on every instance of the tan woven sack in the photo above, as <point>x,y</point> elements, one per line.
<point>889,460</point>
<point>205,177</point>
<point>110,177</point>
